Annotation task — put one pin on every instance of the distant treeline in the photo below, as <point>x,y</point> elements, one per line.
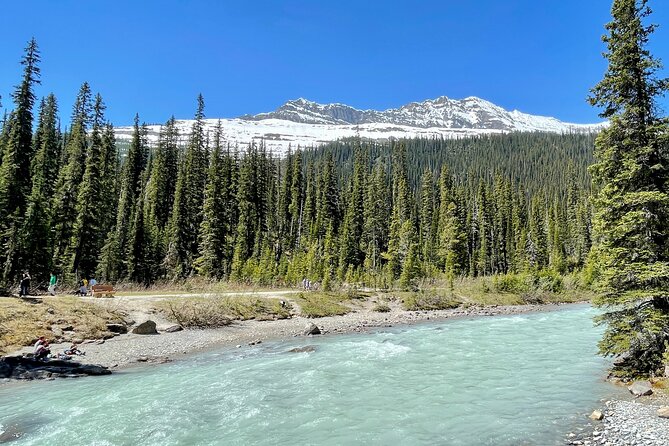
<point>351,211</point>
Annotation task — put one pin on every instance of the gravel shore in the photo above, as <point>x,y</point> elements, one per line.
<point>631,422</point>
<point>125,350</point>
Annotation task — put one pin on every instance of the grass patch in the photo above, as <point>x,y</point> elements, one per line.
<point>515,289</point>
<point>194,285</point>
<point>317,304</point>
<point>381,308</point>
<point>221,311</point>
<point>22,322</point>
<point>429,300</point>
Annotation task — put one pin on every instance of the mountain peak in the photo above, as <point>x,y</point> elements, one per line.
<point>442,112</point>
<point>304,123</point>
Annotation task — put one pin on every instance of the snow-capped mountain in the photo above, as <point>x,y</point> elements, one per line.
<point>306,124</point>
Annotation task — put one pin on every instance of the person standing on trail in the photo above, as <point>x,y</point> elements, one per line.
<point>91,284</point>
<point>53,280</point>
<point>25,284</point>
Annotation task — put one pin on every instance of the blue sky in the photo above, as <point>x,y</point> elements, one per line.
<point>154,57</point>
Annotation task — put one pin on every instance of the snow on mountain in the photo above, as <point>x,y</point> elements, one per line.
<point>308,124</point>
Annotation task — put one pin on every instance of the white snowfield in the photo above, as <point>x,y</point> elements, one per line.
<point>302,123</point>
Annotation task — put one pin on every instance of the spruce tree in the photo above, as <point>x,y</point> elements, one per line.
<point>70,178</point>
<point>632,205</point>
<point>188,199</point>
<point>213,230</point>
<point>15,182</point>
<point>36,230</point>
<point>86,240</point>
<point>353,224</point>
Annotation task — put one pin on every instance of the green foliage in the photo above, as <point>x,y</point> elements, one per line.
<point>429,300</point>
<point>632,204</point>
<point>513,283</point>
<point>321,305</point>
<point>221,311</point>
<point>352,213</point>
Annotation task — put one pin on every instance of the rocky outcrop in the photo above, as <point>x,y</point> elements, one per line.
<point>312,329</point>
<point>641,388</point>
<point>145,328</point>
<point>25,367</point>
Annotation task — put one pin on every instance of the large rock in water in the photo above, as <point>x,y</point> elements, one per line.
<point>312,329</point>
<point>145,328</point>
<point>305,349</point>
<point>641,388</point>
<point>23,367</point>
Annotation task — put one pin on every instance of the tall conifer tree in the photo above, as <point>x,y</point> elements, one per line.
<point>632,202</point>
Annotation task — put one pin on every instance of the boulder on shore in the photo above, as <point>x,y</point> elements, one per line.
<point>173,328</point>
<point>663,412</point>
<point>117,328</point>
<point>145,328</point>
<point>25,367</point>
<point>596,415</point>
<point>641,388</point>
<point>312,329</point>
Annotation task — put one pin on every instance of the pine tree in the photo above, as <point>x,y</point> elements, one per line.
<point>376,208</point>
<point>353,224</point>
<point>247,212</point>
<point>213,234</point>
<point>427,221</point>
<point>15,182</point>
<point>451,239</point>
<point>162,183</point>
<point>131,184</point>
<point>188,199</point>
<point>70,177</point>
<point>36,230</point>
<point>109,185</point>
<point>296,206</point>
<point>86,240</point>
<point>632,206</point>
<point>139,263</point>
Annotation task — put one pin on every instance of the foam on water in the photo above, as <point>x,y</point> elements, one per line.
<point>508,380</point>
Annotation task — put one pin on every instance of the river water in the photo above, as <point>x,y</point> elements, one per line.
<point>504,380</point>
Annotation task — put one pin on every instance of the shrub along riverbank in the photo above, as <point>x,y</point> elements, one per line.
<point>216,304</point>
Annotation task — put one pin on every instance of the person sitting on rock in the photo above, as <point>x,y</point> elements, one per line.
<point>74,351</point>
<point>41,340</point>
<point>42,351</point>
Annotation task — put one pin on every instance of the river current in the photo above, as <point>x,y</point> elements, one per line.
<point>505,380</point>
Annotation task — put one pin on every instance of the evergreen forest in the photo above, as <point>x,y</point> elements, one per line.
<point>382,214</point>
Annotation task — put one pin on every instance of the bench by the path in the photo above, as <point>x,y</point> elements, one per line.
<point>103,290</point>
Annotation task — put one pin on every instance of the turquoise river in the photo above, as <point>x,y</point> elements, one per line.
<point>505,380</point>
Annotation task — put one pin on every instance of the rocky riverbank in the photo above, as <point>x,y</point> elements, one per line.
<point>127,349</point>
<point>637,421</point>
<point>23,367</point>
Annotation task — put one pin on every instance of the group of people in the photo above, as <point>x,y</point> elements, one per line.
<point>42,351</point>
<point>85,285</point>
